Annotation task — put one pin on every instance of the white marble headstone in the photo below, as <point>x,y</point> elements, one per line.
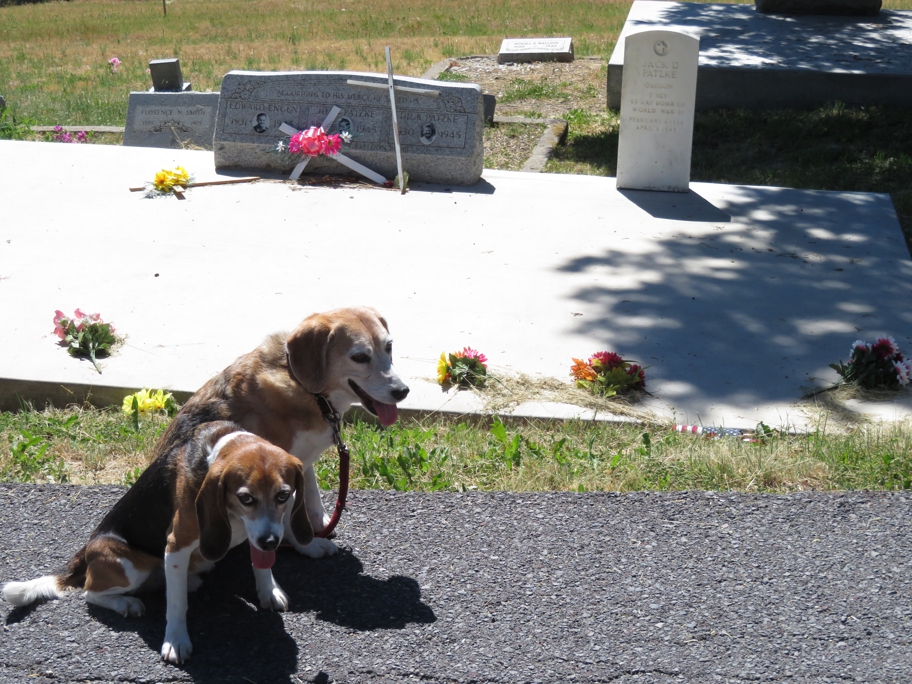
<point>535,50</point>
<point>657,111</point>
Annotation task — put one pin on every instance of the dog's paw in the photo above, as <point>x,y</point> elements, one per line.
<point>274,599</point>
<point>318,548</point>
<point>177,647</point>
<point>128,606</point>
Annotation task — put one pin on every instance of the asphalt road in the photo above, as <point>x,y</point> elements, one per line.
<point>677,587</point>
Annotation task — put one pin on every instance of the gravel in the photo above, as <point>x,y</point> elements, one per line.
<point>503,587</point>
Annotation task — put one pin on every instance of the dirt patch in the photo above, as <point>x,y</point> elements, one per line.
<point>543,89</point>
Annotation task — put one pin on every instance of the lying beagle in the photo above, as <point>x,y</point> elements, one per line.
<point>221,486</point>
<point>344,355</point>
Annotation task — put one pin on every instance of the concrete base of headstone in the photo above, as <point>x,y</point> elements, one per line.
<point>175,120</point>
<point>535,50</point>
<point>826,7</point>
<point>441,133</point>
<point>751,60</point>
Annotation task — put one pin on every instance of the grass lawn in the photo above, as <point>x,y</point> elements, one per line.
<point>54,69</point>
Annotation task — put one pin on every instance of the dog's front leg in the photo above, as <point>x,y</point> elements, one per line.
<point>270,594</point>
<point>313,499</point>
<point>319,547</point>
<point>177,647</point>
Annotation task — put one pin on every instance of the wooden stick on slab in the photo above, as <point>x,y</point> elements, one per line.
<point>229,181</point>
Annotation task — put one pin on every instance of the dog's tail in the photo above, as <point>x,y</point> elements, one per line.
<point>50,586</point>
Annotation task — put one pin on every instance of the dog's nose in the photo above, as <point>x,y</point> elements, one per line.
<point>268,542</point>
<point>401,393</point>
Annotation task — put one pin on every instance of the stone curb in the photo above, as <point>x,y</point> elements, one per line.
<point>555,134</point>
<point>87,129</point>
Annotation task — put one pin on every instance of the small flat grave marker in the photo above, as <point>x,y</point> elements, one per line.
<point>171,119</point>
<point>657,111</point>
<point>440,124</point>
<point>535,50</point>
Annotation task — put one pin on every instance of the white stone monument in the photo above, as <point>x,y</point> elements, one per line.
<point>657,111</point>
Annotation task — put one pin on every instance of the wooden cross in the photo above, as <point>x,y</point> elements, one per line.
<point>339,157</point>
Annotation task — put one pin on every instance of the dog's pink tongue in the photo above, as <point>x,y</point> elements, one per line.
<point>262,560</point>
<point>387,413</point>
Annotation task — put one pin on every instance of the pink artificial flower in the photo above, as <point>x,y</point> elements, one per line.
<point>885,347</point>
<point>639,372</point>
<point>81,136</point>
<point>333,144</point>
<point>469,353</point>
<point>59,329</point>
<point>85,319</point>
<point>114,62</point>
<point>310,142</point>
<point>609,360</point>
<point>903,371</point>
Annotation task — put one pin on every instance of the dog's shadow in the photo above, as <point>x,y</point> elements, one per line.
<point>231,633</point>
<point>336,590</point>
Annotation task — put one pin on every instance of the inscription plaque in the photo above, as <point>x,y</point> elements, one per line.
<point>657,111</point>
<point>440,124</point>
<point>171,119</point>
<point>535,50</point>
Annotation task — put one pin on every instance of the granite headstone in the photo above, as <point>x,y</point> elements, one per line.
<point>657,111</point>
<point>440,124</point>
<point>171,119</point>
<point>535,50</point>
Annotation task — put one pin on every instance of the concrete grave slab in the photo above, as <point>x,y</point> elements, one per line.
<point>657,111</point>
<point>171,119</point>
<point>535,50</point>
<point>753,60</point>
<point>735,297</point>
<point>441,124</point>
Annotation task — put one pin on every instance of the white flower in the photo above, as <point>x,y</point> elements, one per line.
<point>858,343</point>
<point>903,371</point>
<point>346,136</point>
<point>280,146</point>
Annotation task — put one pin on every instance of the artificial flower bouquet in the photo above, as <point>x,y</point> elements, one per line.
<point>167,180</point>
<point>462,369</point>
<point>313,142</point>
<point>880,365</point>
<point>85,335</point>
<point>149,401</point>
<point>607,374</point>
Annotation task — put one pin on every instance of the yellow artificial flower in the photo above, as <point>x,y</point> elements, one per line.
<point>443,369</point>
<point>180,175</point>
<point>147,401</point>
<point>162,181</point>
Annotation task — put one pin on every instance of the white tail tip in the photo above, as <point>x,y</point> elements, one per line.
<point>24,593</point>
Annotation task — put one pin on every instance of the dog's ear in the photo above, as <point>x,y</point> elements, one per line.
<point>211,512</point>
<point>306,348</point>
<point>300,523</point>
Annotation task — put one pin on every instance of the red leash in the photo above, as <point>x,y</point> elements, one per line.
<point>335,420</point>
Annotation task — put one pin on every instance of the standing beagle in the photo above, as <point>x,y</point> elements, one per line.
<point>198,499</point>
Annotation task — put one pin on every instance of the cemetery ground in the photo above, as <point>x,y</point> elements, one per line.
<point>832,148</point>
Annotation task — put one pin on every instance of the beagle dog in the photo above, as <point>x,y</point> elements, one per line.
<point>221,486</point>
<point>345,355</point>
